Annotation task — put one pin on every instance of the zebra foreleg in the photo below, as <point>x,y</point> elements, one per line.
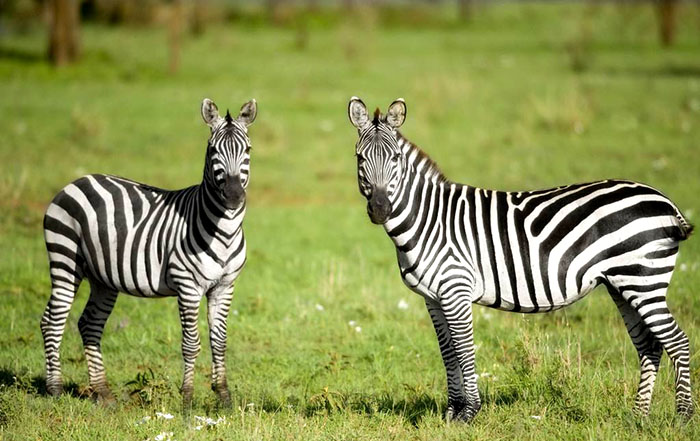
<point>218,305</point>
<point>648,348</point>
<point>188,305</point>
<point>91,326</point>
<point>457,308</point>
<point>456,399</point>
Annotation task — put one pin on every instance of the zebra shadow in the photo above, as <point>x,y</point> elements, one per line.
<point>413,408</point>
<point>34,384</point>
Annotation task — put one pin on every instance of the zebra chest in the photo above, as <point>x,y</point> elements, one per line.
<point>417,277</point>
<point>204,268</point>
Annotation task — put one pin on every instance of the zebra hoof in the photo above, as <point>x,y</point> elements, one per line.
<point>186,400</point>
<point>106,399</point>
<point>454,407</point>
<point>685,410</point>
<point>54,388</point>
<point>467,414</point>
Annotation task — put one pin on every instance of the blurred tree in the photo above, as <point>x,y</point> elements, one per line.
<point>64,40</point>
<point>199,15</point>
<point>666,11</point>
<point>273,10</point>
<point>465,9</point>
<point>175,24</point>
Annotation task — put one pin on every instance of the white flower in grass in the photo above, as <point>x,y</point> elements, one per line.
<point>684,267</point>
<point>358,329</point>
<point>209,422</point>
<point>402,304</point>
<point>352,323</point>
<point>536,417</point>
<point>164,436</point>
<point>234,312</point>
<point>660,163</point>
<point>165,416</point>
<point>319,307</point>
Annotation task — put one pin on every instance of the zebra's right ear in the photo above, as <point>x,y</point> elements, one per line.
<point>357,111</point>
<point>210,113</point>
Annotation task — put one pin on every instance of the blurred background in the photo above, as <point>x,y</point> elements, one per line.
<point>511,95</point>
<point>506,94</point>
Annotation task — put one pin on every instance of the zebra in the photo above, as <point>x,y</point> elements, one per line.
<point>124,236</point>
<point>528,252</point>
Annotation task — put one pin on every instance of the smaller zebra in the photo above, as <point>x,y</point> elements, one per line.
<point>128,237</point>
<point>528,251</point>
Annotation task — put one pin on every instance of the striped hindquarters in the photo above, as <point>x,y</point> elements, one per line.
<point>542,250</point>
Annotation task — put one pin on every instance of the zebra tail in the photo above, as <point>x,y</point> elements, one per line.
<point>685,228</point>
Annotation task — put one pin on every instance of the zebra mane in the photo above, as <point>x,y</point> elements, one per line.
<point>430,167</point>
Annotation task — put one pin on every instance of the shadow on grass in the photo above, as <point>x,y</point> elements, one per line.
<point>22,55</point>
<point>671,70</point>
<point>35,385</point>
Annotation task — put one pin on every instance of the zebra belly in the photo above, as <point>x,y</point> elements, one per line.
<point>135,272</point>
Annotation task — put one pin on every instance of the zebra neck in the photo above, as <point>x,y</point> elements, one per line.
<point>421,184</point>
<point>215,219</point>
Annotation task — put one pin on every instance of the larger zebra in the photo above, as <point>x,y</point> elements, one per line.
<point>128,237</point>
<point>529,252</point>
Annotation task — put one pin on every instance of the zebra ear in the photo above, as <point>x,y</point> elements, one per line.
<point>210,113</point>
<point>396,114</point>
<point>357,111</point>
<point>248,113</point>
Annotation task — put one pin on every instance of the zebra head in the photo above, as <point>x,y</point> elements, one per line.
<point>380,160</point>
<point>227,166</point>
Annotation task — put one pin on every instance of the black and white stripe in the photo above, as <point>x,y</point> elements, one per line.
<point>148,242</point>
<point>522,251</point>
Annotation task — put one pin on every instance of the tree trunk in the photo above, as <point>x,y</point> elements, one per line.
<point>175,35</point>
<point>273,12</point>
<point>666,12</point>
<point>64,21</point>
<point>199,17</point>
<point>464,10</point>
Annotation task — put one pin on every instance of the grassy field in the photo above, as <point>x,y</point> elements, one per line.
<point>527,96</point>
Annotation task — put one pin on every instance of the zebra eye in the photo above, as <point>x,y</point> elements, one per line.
<point>247,149</point>
<point>395,158</point>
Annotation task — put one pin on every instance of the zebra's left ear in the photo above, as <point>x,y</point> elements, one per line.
<point>396,114</point>
<point>248,113</point>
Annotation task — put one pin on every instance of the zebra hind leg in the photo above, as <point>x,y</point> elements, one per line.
<point>649,301</point>
<point>648,348</point>
<point>65,280</point>
<point>91,325</point>
<point>675,342</point>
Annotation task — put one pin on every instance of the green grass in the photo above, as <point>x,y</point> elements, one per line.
<point>522,98</point>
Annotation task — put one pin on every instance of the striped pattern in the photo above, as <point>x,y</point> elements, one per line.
<point>123,236</point>
<point>525,252</point>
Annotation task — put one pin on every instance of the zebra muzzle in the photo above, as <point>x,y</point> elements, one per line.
<point>379,207</point>
<point>232,192</point>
